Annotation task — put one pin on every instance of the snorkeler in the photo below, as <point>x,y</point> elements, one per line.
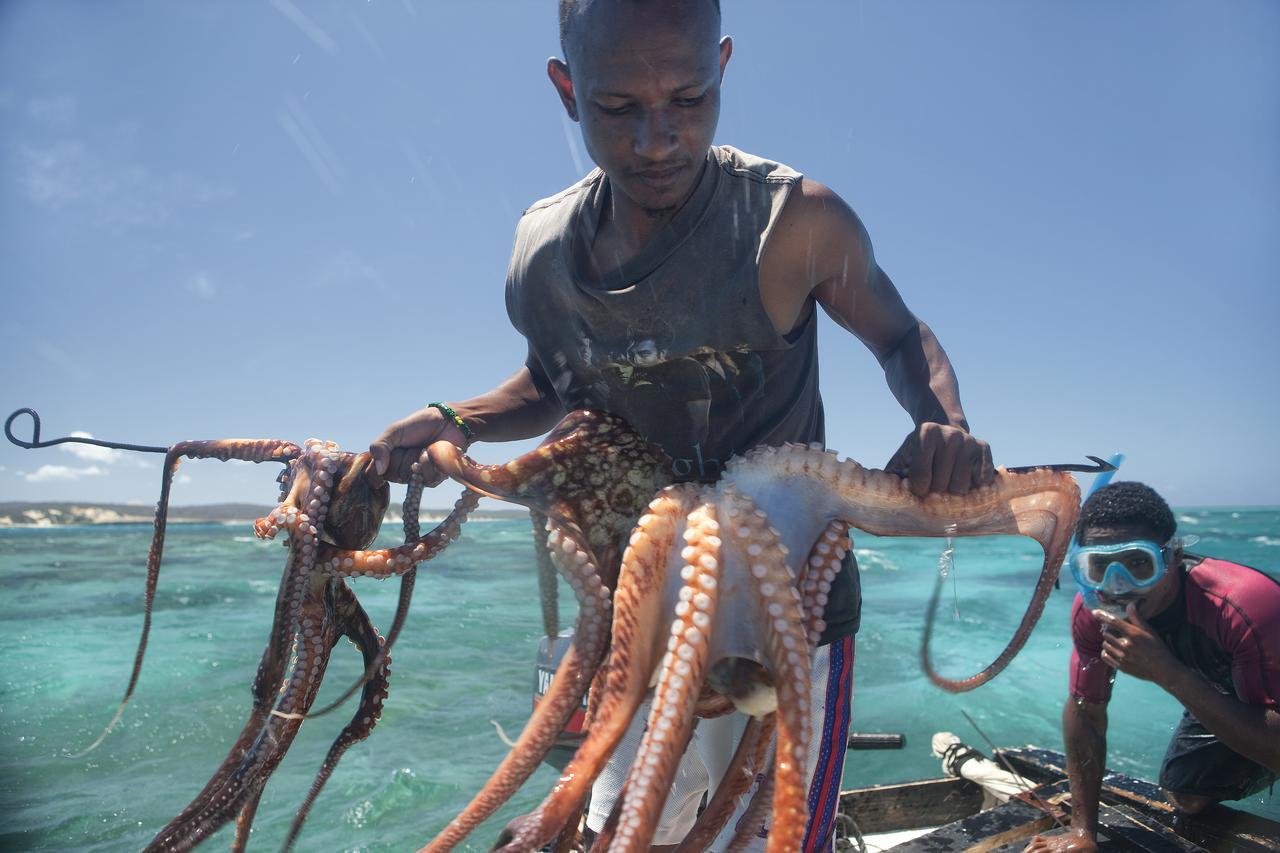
<point>1205,630</point>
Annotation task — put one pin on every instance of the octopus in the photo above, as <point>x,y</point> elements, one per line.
<point>328,514</point>
<point>711,597</point>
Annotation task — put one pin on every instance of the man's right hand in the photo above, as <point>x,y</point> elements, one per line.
<point>402,443</point>
<point>1072,839</point>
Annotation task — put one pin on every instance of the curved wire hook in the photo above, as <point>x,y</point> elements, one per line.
<point>35,441</point>
<point>1100,465</point>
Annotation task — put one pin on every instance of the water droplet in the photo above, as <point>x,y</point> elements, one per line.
<point>946,560</point>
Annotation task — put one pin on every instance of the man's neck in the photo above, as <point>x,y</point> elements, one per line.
<point>626,227</point>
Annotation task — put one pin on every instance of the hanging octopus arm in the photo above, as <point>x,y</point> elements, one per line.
<point>329,514</point>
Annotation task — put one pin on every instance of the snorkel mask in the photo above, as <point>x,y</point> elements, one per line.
<point>1120,569</point>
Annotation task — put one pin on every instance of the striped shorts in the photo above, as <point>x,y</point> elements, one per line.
<point>711,749</point>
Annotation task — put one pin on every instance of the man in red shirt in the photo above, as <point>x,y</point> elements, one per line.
<point>1206,630</point>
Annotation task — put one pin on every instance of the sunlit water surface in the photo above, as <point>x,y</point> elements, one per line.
<point>73,611</point>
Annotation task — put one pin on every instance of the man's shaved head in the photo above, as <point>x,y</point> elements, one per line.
<point>572,10</point>
<point>642,77</point>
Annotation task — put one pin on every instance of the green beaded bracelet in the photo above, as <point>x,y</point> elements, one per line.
<point>467,432</point>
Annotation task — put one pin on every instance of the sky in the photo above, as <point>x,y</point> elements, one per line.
<point>287,219</point>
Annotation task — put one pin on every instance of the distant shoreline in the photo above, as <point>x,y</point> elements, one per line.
<point>78,514</point>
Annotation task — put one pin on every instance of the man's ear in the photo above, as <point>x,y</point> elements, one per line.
<point>558,72</point>
<point>726,51</point>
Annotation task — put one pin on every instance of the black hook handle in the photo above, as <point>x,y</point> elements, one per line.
<point>1099,466</point>
<point>35,441</point>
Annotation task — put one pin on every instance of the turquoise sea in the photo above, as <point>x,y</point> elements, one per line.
<point>72,614</point>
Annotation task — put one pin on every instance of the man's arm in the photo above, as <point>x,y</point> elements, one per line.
<point>1132,647</point>
<point>820,251</point>
<point>521,407</point>
<point>1084,730</point>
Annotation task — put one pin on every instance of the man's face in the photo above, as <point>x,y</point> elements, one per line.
<point>645,84</point>
<point>645,353</point>
<point>1149,601</point>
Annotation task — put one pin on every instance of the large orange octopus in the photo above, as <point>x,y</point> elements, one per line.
<point>713,597</point>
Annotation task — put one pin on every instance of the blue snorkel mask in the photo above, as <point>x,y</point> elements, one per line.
<point>1121,569</point>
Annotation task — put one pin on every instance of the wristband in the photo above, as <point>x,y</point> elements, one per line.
<point>467,432</point>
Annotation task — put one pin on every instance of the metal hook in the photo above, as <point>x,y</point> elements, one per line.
<point>1100,466</point>
<point>35,441</point>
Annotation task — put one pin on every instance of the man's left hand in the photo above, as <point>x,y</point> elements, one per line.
<point>941,458</point>
<point>1131,646</point>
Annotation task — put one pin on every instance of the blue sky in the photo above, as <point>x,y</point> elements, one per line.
<point>292,219</point>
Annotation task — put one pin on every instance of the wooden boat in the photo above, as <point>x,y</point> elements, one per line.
<point>947,814</point>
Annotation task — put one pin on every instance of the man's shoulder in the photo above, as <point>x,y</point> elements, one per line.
<point>750,167</point>
<point>565,200</point>
<point>1219,577</point>
<point>548,222</point>
<point>1239,594</point>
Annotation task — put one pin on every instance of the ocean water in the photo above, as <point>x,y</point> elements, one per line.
<point>72,617</point>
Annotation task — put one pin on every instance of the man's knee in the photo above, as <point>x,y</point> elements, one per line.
<point>1188,803</point>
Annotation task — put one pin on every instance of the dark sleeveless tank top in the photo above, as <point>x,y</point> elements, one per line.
<point>676,340</point>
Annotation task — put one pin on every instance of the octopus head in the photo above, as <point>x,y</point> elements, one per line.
<point>356,509</point>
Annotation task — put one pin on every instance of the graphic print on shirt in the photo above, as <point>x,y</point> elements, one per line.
<point>669,398</point>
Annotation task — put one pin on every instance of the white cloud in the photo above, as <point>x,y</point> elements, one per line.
<point>50,473</point>
<point>69,176</point>
<point>184,478</point>
<point>90,452</point>
<point>103,455</point>
<point>202,286</point>
<point>348,270</point>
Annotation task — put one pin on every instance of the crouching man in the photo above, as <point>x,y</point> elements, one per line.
<point>1205,630</point>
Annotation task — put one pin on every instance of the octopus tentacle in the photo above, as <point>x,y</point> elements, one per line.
<point>387,562</point>
<point>302,616</point>
<point>547,596</point>
<point>753,817</point>
<point>680,680</point>
<point>571,680</point>
<point>636,621</point>
<point>265,683</point>
<point>592,474</point>
<point>816,576</point>
<point>244,823</point>
<point>302,514</point>
<point>738,779</point>
<point>310,495</point>
<point>427,546</point>
<point>819,573</point>
<point>242,449</point>
<point>676,746</point>
<point>588,439</point>
<point>1041,504</point>
<point>353,623</point>
<point>787,654</point>
<point>243,774</point>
